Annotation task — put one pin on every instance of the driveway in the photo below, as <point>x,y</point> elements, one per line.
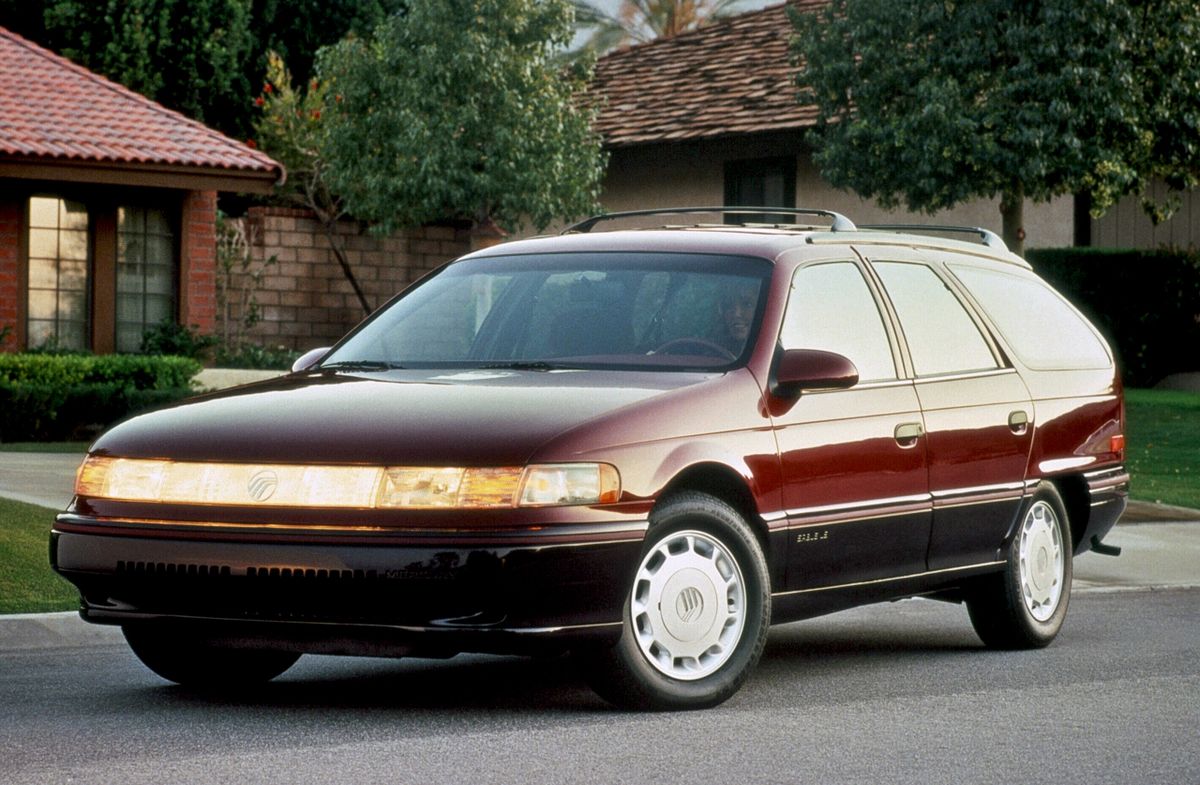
<point>45,479</point>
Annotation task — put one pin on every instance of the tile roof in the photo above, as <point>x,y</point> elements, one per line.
<point>54,110</point>
<point>728,77</point>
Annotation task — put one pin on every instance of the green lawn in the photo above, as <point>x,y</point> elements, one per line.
<point>1162,448</point>
<point>27,584</point>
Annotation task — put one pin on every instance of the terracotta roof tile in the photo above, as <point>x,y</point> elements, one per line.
<point>729,77</point>
<point>51,108</point>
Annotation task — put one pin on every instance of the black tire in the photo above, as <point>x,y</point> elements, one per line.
<point>180,655</point>
<point>1024,606</point>
<point>695,541</point>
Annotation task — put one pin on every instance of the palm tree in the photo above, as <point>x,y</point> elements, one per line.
<point>637,21</point>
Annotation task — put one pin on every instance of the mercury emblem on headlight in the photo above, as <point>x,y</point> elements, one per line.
<point>262,485</point>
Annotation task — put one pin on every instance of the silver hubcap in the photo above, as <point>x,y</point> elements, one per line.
<point>688,605</point>
<point>1040,550</point>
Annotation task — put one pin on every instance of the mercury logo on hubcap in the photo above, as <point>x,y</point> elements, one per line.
<point>689,605</point>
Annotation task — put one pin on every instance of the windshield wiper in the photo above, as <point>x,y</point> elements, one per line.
<point>526,365</point>
<point>360,365</point>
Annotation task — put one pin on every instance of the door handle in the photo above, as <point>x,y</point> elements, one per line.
<point>907,433</point>
<point>1018,422</point>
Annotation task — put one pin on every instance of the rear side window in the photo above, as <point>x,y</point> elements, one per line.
<point>942,337</point>
<point>1043,330</point>
<point>832,309</point>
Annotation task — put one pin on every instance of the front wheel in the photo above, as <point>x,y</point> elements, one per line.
<point>1024,607</point>
<point>179,655</point>
<point>696,616</point>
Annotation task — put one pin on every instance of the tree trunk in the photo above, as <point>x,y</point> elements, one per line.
<point>335,244</point>
<point>485,233</point>
<point>1012,213</point>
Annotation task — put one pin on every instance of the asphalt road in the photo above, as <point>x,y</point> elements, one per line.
<point>899,693</point>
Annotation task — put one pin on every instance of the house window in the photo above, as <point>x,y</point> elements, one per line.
<point>59,286</point>
<point>146,273</point>
<point>760,182</point>
<point>102,268</point>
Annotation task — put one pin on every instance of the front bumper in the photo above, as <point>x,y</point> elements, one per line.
<point>486,595</point>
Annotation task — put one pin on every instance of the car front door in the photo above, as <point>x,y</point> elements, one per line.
<point>855,484</point>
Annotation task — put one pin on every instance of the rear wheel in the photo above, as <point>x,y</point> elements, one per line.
<point>185,657</point>
<point>1024,607</point>
<point>696,615</point>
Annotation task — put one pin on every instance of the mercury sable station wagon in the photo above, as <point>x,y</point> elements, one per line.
<point>641,447</point>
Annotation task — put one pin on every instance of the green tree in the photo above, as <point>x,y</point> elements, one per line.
<point>189,55</point>
<point>293,130</point>
<point>457,110</point>
<point>930,104</point>
<point>25,18</point>
<point>173,51</point>
<point>296,29</point>
<point>638,21</point>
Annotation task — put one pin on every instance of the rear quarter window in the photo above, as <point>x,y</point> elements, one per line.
<point>1044,331</point>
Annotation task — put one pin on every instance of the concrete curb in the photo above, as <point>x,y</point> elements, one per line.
<point>1151,512</point>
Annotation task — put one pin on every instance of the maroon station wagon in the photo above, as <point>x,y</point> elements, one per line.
<point>641,447</point>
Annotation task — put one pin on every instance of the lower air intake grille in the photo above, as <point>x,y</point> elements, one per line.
<point>173,570</point>
<point>169,569</point>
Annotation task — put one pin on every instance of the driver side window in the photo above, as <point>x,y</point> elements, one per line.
<point>832,309</point>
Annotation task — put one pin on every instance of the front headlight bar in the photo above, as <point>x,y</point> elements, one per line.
<point>356,487</point>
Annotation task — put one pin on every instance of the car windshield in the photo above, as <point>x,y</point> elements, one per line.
<point>654,311</point>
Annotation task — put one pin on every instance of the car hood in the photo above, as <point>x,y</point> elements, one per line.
<point>399,417</point>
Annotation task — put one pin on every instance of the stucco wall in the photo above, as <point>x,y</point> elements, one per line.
<point>692,174</point>
<point>1126,225</point>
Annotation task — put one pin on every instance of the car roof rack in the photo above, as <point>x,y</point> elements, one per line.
<point>840,222</point>
<point>985,236</point>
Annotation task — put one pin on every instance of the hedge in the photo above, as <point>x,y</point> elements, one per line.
<point>46,397</point>
<point>1146,302</point>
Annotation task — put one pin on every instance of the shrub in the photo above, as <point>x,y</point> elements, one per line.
<point>1146,302</point>
<point>248,355</point>
<point>142,372</point>
<point>170,338</point>
<point>51,397</point>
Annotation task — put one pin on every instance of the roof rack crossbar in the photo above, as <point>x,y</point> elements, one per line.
<point>840,222</point>
<point>986,236</point>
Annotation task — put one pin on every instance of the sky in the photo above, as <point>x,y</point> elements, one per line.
<point>611,6</point>
<point>746,5</point>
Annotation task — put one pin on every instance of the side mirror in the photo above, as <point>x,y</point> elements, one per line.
<point>309,359</point>
<point>811,369</point>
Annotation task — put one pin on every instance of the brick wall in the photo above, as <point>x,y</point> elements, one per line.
<point>10,293</point>
<point>304,298</point>
<point>198,266</point>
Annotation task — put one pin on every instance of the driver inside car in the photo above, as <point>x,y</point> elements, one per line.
<point>736,312</point>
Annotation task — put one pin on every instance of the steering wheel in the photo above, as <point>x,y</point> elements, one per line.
<point>706,348</point>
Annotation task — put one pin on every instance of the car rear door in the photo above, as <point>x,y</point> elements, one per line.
<point>977,411</point>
